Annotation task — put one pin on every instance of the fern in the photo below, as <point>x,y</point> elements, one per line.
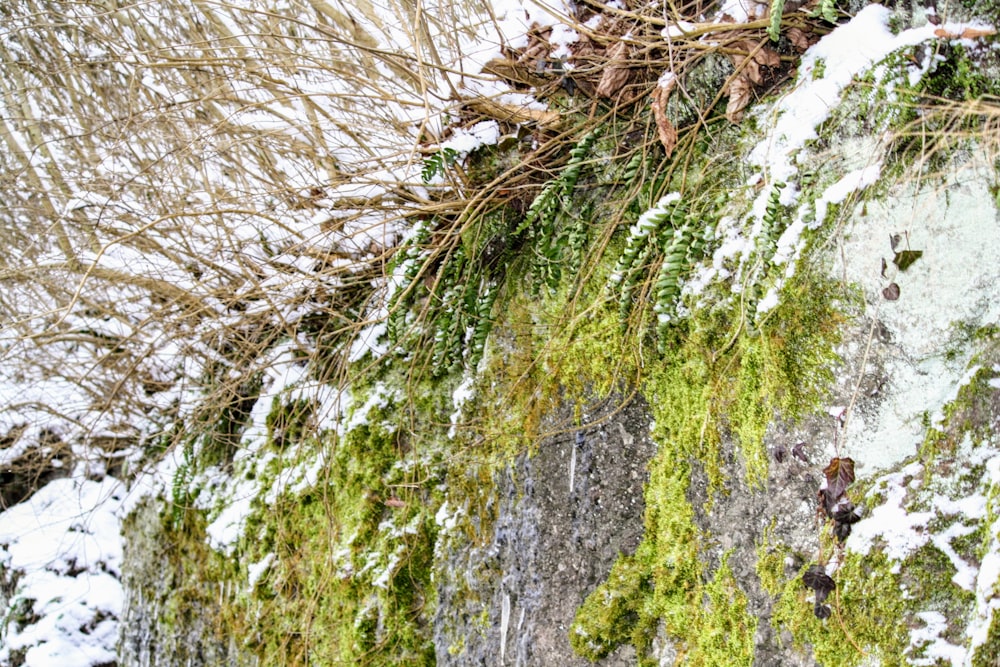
<point>675,264</point>
<point>774,29</point>
<point>437,163</point>
<point>180,492</point>
<point>483,325</point>
<point>773,224</point>
<point>554,197</point>
<point>637,245</point>
<point>633,168</point>
<point>408,261</point>
<point>827,10</point>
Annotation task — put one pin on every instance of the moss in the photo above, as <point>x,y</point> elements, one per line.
<point>867,618</point>
<point>724,631</point>
<point>286,423</point>
<point>985,655</point>
<point>613,613</point>
<point>371,603</point>
<point>970,415</point>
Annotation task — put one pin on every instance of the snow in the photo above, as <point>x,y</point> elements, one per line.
<point>464,141</point>
<point>63,553</point>
<point>898,529</point>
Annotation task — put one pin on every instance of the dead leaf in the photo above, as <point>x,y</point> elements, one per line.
<point>969,32</point>
<point>739,97</point>
<point>616,73</point>
<point>801,39</point>
<point>768,57</point>
<point>799,452</point>
<point>891,292</point>
<point>762,56</point>
<point>664,128</point>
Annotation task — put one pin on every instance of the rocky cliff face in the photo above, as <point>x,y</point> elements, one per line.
<point>653,465</point>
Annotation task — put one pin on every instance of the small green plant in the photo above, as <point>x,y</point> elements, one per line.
<point>558,237</point>
<point>774,224</point>
<point>180,487</point>
<point>438,163</point>
<point>827,10</point>
<point>682,241</point>
<point>774,29</point>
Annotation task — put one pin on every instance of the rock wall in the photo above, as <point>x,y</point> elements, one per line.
<point>617,491</point>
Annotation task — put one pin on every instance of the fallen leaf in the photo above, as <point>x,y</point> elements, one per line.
<point>664,128</point>
<point>617,73</point>
<point>739,97</point>
<point>757,57</point>
<point>767,56</point>
<point>801,39</point>
<point>891,292</point>
<point>969,32</point>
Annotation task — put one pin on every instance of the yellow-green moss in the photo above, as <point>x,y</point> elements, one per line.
<point>867,619</point>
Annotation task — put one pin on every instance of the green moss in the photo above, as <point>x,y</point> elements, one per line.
<point>350,576</point>
<point>286,423</point>
<point>985,655</point>
<point>724,631</point>
<point>867,618</point>
<point>970,415</point>
<point>613,614</point>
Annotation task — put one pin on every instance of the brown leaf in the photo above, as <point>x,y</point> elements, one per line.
<point>762,56</point>
<point>891,293</point>
<point>968,32</point>
<point>616,73</point>
<point>664,128</point>
<point>739,97</point>
<point>801,39</point>
<point>768,57</point>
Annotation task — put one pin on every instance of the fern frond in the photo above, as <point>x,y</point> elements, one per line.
<point>437,163</point>
<point>647,225</point>
<point>774,29</point>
